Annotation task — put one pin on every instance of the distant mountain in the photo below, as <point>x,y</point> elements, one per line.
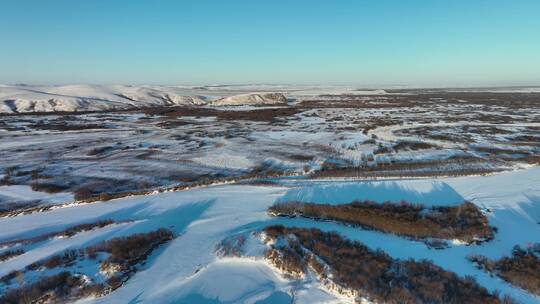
<point>24,98</point>
<point>252,99</point>
<point>71,98</point>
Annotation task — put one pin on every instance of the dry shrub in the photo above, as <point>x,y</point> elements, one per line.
<point>465,222</point>
<point>126,252</point>
<point>67,258</point>
<point>47,187</point>
<point>373,274</point>
<point>6,255</point>
<point>264,115</point>
<point>413,145</point>
<point>232,246</point>
<point>131,249</point>
<point>521,269</point>
<point>83,193</point>
<point>48,289</point>
<point>99,150</point>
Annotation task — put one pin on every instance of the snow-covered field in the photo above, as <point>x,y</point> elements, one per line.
<point>138,150</point>
<point>188,270</point>
<point>207,162</point>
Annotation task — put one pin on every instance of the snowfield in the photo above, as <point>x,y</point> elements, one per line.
<point>199,166</point>
<point>188,270</point>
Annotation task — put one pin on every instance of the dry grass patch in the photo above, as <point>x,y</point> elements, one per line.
<point>124,255</point>
<point>521,269</point>
<point>464,222</point>
<point>354,268</point>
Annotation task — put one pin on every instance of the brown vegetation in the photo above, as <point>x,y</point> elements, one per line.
<point>123,252</point>
<point>264,115</point>
<point>99,150</point>
<point>10,209</point>
<point>130,250</point>
<point>497,151</point>
<point>368,273</point>
<point>104,188</point>
<point>531,159</point>
<point>15,175</point>
<point>521,269</point>
<point>87,194</point>
<point>56,288</point>
<point>9,172</point>
<point>453,166</point>
<point>47,187</point>
<point>57,125</point>
<point>172,124</point>
<point>232,246</point>
<point>67,258</point>
<point>412,145</point>
<point>464,222</point>
<point>382,149</point>
<point>514,100</point>
<point>6,255</point>
<point>357,102</point>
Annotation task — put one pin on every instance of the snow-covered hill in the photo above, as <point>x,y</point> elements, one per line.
<point>188,269</point>
<point>71,98</point>
<point>252,99</point>
<point>79,98</point>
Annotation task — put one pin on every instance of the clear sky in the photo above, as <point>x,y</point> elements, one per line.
<point>377,42</point>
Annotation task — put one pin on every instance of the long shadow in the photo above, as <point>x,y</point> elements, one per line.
<point>177,220</point>
<point>438,193</point>
<point>519,225</point>
<point>119,215</point>
<point>124,214</point>
<point>195,298</point>
<point>277,297</point>
<point>532,208</point>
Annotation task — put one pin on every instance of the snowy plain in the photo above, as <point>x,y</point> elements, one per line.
<point>188,270</point>
<point>303,155</point>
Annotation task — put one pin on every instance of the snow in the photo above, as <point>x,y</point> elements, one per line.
<point>89,97</point>
<point>187,270</point>
<point>36,98</point>
<point>252,99</point>
<point>14,193</point>
<point>234,280</point>
<point>427,192</point>
<point>76,98</point>
<point>58,245</point>
<point>222,159</point>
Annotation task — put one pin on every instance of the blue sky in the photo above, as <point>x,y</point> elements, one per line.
<point>377,42</point>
